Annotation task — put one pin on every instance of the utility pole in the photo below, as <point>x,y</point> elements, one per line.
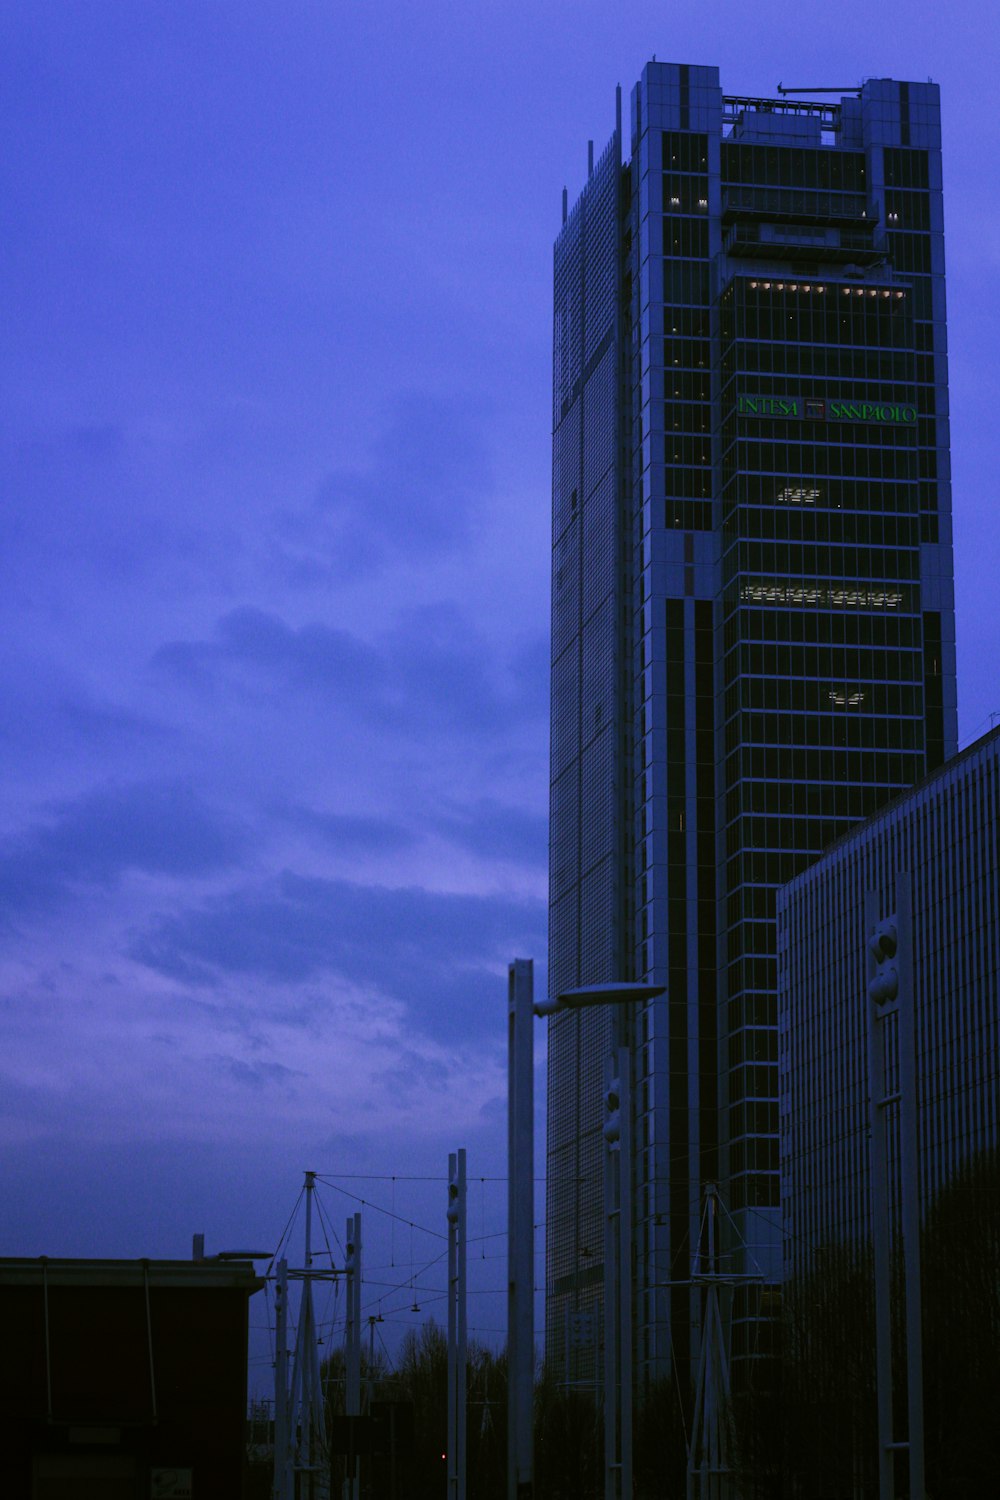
<point>352,1353</point>
<point>892,1016</point>
<point>708,1474</point>
<point>282,1487</point>
<point>520,1229</point>
<point>617,1278</point>
<point>301,1457</point>
<point>308,1430</point>
<point>457,1325</point>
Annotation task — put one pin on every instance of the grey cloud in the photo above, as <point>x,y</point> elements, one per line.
<point>432,670</point>
<point>251,639</point>
<point>160,827</point>
<point>349,833</point>
<point>428,473</point>
<point>258,1075</point>
<point>496,831</point>
<point>437,953</point>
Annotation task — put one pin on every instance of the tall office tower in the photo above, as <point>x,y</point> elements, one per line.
<point>752,630</point>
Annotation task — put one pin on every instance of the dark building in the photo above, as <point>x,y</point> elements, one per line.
<point>752,627</point>
<point>944,835</point>
<point>890,1137</point>
<point>122,1380</point>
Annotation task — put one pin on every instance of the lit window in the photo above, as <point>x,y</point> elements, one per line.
<point>795,494</point>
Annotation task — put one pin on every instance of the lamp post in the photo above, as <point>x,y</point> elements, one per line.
<point>521,1010</point>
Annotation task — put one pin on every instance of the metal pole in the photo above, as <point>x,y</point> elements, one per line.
<point>520,1229</point>
<point>457,1325</point>
<point>451,1440</point>
<point>352,1402</point>
<point>280,1488</point>
<point>310,1189</point>
<point>611,1247</point>
<point>880,1217</point>
<point>909,1133</point>
<point>625,1266</point>
<point>463,1326</point>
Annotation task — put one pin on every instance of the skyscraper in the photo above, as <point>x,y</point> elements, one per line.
<point>752,628</point>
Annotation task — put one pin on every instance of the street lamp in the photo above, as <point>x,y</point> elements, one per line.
<point>521,1011</point>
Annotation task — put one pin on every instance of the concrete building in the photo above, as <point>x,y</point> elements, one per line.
<point>124,1379</point>
<point>945,836</point>
<point>752,628</point>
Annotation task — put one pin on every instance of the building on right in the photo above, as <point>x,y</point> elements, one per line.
<point>753,642</point>
<point>936,849</point>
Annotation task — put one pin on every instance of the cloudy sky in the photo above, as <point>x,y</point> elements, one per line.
<point>275,453</point>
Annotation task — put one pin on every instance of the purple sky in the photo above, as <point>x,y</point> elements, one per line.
<point>275,455</point>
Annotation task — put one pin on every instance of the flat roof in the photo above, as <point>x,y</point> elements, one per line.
<point>215,1275</point>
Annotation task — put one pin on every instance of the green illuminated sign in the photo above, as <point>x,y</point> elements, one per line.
<point>795,407</point>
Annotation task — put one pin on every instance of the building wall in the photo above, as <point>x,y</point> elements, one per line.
<point>759,600</point>
<point>99,1396</point>
<point>945,835</point>
<point>587,835</point>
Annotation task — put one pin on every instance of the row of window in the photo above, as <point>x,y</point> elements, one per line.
<point>684,151</point>
<point>910,254</point>
<point>794,166</point>
<point>687,416</point>
<point>689,322</point>
<point>689,515</point>
<point>905,168</point>
<point>683,385</point>
<point>889,768</point>
<point>869,321</point>
<point>822,731</point>
<point>804,799</point>
<point>837,698</point>
<point>686,282</point>
<point>757,938</point>
<point>754,630</point>
<point>808,565</point>
<point>826,659</point>
<point>685,237</point>
<point>757,1118</point>
<point>685,193</point>
<point>828,460</point>
<point>690,352</point>
<point>793,491</point>
<point>688,482</point>
<point>825,361</point>
<point>907,210</point>
<point>810,521</point>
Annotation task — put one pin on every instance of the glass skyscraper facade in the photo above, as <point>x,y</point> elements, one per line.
<point>752,629</point>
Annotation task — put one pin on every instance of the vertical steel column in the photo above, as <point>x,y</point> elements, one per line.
<point>520,1229</point>
<point>618,1276</point>
<point>617,1279</point>
<point>891,993</point>
<point>625,1266</point>
<point>877,1105</point>
<point>457,1325</point>
<point>281,1489</point>
<point>352,1403</point>
<point>612,1116</point>
<point>909,1167</point>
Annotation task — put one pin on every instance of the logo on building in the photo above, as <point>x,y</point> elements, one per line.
<point>794,408</point>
